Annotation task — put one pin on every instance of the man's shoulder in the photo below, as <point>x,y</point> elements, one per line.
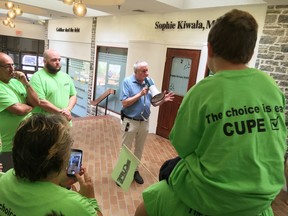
<point>13,80</point>
<point>40,71</point>
<point>7,175</point>
<point>15,83</point>
<point>14,87</point>
<point>38,74</point>
<point>63,75</point>
<point>130,78</point>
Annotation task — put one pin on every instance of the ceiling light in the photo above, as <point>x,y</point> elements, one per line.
<point>6,22</point>
<point>79,9</point>
<point>11,14</point>
<point>9,5</point>
<point>69,2</point>
<point>11,25</point>
<point>18,11</point>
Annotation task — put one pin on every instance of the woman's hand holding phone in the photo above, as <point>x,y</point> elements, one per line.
<point>68,181</point>
<point>76,173</point>
<point>86,184</point>
<point>73,167</point>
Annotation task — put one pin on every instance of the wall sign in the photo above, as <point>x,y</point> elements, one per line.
<point>60,29</point>
<point>184,25</point>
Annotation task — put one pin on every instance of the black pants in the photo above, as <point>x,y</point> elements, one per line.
<point>167,168</point>
<point>6,160</point>
<point>165,172</point>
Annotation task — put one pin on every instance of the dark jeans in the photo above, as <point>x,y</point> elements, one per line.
<point>167,168</point>
<point>6,160</point>
<point>165,172</point>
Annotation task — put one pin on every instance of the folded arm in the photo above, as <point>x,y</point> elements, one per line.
<point>19,109</point>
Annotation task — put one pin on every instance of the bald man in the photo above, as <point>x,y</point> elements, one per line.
<point>17,98</point>
<point>55,88</point>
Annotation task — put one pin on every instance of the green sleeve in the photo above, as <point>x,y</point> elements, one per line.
<point>94,203</point>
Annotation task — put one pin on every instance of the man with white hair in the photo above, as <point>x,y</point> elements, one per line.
<point>136,103</point>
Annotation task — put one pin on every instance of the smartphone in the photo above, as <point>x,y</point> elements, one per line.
<point>75,162</point>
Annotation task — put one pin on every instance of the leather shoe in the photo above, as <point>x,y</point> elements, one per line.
<point>138,178</point>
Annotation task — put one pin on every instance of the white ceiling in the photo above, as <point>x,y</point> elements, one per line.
<point>35,10</point>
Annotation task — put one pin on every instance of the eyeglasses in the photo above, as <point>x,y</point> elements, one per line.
<point>7,66</point>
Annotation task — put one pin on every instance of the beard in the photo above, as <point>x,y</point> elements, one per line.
<point>52,69</point>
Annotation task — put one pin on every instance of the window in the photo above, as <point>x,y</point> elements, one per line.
<point>111,68</point>
<point>29,62</point>
<point>79,71</point>
<point>179,77</point>
<point>25,52</point>
<point>40,61</point>
<point>16,59</point>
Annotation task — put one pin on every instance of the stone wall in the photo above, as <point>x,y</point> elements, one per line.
<point>46,41</point>
<point>91,109</point>
<point>273,47</point>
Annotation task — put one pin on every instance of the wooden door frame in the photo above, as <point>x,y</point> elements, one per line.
<point>170,54</point>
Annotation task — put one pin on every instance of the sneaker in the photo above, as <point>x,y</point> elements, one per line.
<point>138,178</point>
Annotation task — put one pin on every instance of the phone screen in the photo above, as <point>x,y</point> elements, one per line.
<point>75,162</point>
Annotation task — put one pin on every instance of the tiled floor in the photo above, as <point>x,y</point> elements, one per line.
<point>100,139</point>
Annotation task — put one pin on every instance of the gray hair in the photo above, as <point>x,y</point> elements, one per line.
<point>138,64</point>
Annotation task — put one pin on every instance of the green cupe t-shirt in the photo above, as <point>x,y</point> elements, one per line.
<point>19,197</point>
<point>55,88</point>
<point>230,131</point>
<point>231,135</point>
<point>11,93</point>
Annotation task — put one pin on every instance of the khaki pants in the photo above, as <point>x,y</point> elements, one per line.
<point>134,132</point>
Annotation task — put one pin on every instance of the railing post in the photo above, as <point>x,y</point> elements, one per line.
<point>106,105</point>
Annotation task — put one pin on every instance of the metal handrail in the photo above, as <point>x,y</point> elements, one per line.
<point>101,98</point>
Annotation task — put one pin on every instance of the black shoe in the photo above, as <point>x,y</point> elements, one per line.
<point>117,184</point>
<point>138,178</point>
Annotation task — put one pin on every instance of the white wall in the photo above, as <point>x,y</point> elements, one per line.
<point>75,45</point>
<point>73,50</point>
<point>144,42</point>
<point>25,30</point>
<point>121,29</point>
